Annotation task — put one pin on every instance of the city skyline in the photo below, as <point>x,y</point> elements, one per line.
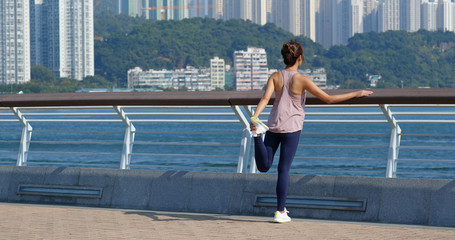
<point>59,34</point>
<point>328,22</point>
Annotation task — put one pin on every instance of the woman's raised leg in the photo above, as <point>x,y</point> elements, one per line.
<point>264,151</point>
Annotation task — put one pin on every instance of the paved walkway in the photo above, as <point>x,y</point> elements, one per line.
<point>21,221</point>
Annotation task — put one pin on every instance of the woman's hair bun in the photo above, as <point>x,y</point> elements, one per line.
<point>291,51</point>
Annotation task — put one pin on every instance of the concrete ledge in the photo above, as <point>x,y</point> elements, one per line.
<point>403,201</point>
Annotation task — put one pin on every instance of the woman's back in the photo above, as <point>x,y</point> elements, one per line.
<point>287,114</point>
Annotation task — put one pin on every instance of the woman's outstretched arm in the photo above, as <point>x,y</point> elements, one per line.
<point>317,92</point>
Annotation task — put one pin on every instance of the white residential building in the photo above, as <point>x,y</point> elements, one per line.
<point>63,37</point>
<point>356,17</point>
<point>429,20</point>
<point>217,73</point>
<point>388,15</point>
<point>191,78</point>
<point>410,15</point>
<point>250,69</point>
<point>308,18</point>
<point>14,42</point>
<point>446,15</point>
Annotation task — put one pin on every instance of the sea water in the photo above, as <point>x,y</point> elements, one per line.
<point>358,149</point>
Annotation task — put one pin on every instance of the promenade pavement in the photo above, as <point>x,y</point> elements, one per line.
<point>26,221</point>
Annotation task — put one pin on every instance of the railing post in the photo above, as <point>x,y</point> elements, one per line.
<point>253,168</point>
<point>128,140</point>
<point>25,137</point>
<point>245,143</point>
<point>395,141</point>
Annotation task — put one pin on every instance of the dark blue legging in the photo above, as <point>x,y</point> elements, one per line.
<point>264,152</point>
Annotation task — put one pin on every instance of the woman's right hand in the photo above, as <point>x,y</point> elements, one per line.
<point>363,93</point>
<point>252,127</point>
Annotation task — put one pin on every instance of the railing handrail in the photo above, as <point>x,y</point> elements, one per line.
<point>218,98</point>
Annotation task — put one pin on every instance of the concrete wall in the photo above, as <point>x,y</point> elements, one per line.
<point>405,201</point>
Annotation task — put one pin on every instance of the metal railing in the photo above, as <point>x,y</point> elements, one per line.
<point>394,132</point>
<point>359,139</point>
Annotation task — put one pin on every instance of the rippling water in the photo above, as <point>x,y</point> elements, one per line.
<point>216,146</point>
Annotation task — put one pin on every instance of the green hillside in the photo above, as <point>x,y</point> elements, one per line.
<point>176,44</point>
<point>421,59</point>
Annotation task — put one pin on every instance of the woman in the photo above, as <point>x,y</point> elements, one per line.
<point>286,119</point>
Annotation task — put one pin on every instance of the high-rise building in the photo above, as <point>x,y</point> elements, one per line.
<point>340,22</point>
<point>203,8</point>
<point>253,10</point>
<point>63,37</point>
<point>429,11</point>
<point>153,9</point>
<point>324,19</point>
<point>217,73</point>
<point>356,17</point>
<point>250,69</point>
<point>269,9</point>
<point>217,9</point>
<point>388,15</point>
<point>446,15</point>
<point>259,12</point>
<point>308,18</point>
<point>347,19</point>
<point>131,8</point>
<point>286,14</point>
<point>14,42</point>
<point>370,15</point>
<point>410,15</point>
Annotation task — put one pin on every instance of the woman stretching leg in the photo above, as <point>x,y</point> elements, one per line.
<point>286,119</point>
<point>264,152</point>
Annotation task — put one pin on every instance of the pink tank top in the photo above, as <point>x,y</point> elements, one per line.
<point>288,111</point>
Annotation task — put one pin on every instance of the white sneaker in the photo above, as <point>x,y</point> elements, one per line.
<point>282,217</point>
<point>261,128</point>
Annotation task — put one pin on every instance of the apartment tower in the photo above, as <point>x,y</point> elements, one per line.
<point>217,73</point>
<point>62,39</point>
<point>250,67</point>
<point>14,42</point>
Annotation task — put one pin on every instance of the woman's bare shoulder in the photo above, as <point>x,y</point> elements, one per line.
<point>276,74</point>
<point>300,77</point>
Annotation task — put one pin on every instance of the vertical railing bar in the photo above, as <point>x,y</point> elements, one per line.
<point>25,137</point>
<point>395,141</point>
<point>253,167</point>
<point>128,141</point>
<point>245,143</point>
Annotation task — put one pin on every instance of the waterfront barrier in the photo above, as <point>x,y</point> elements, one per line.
<point>131,111</point>
<point>386,200</point>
